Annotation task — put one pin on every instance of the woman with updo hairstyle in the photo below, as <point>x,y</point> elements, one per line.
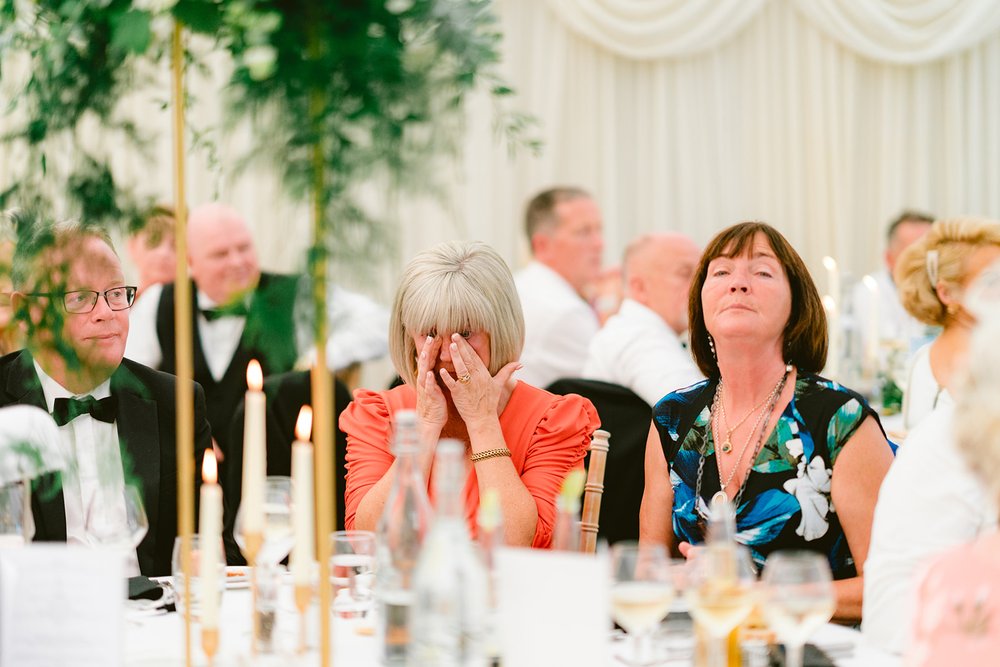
<point>455,337</point>
<point>932,275</point>
<point>956,619</point>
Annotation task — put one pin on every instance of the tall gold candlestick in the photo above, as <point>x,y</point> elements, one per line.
<point>184,347</point>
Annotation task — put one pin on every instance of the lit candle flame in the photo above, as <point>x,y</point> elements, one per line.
<point>829,263</point>
<point>870,284</point>
<point>209,468</point>
<point>303,425</point>
<point>255,377</point>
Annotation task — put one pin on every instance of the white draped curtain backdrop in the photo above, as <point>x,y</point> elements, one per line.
<point>823,117</point>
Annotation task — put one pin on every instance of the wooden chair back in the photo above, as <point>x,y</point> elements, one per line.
<point>592,491</point>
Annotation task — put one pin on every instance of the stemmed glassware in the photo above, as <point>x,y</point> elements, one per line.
<point>721,594</point>
<point>113,530</point>
<point>278,538</point>
<point>642,590</point>
<point>352,567</point>
<point>797,598</point>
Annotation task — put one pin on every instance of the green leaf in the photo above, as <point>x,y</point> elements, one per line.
<point>131,32</point>
<point>199,15</point>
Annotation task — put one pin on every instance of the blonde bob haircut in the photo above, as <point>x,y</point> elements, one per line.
<point>940,256</point>
<point>456,286</point>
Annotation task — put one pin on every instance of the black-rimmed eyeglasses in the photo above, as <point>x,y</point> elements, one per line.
<point>83,301</point>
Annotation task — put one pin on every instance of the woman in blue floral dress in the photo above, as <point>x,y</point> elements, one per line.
<point>801,457</point>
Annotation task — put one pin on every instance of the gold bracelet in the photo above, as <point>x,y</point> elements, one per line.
<point>489,454</point>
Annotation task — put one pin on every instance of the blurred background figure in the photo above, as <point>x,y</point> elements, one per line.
<point>565,229</point>
<point>643,346</point>
<point>932,275</point>
<point>932,497</point>
<point>800,457</point>
<point>152,250</point>
<point>957,619</point>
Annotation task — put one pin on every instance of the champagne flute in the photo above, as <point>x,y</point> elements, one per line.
<point>721,594</point>
<point>117,519</point>
<point>641,593</point>
<point>798,598</point>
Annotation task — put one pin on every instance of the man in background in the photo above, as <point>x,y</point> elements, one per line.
<point>241,313</point>
<point>152,249</point>
<point>564,227</point>
<point>116,418</point>
<point>641,347</point>
<point>894,323</point>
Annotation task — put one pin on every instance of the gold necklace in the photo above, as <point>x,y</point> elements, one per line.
<point>743,450</point>
<point>727,444</point>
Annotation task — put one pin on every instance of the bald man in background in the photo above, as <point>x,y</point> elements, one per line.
<point>640,346</point>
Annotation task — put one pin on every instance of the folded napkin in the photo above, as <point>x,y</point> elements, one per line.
<point>144,588</point>
<point>812,656</point>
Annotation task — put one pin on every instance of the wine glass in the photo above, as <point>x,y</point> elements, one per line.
<point>278,537</point>
<point>721,594</point>
<point>116,519</point>
<point>11,515</point>
<point>797,598</point>
<point>352,567</point>
<point>641,593</point>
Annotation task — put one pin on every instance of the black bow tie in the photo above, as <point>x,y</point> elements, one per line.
<point>68,409</point>
<point>238,309</point>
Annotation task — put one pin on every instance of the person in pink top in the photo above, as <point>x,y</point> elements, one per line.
<point>455,336</point>
<point>957,615</point>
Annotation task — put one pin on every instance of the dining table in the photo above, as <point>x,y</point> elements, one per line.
<point>154,638</point>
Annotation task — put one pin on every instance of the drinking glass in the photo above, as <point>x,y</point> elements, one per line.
<point>721,594</point>
<point>180,582</point>
<point>117,519</point>
<point>642,590</point>
<point>278,536</point>
<point>797,598</point>
<point>278,539</point>
<point>352,568</point>
<point>11,515</point>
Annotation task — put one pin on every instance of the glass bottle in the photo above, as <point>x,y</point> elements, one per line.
<point>399,536</point>
<point>489,522</point>
<point>450,582</point>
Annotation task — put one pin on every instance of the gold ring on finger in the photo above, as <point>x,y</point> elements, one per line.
<point>465,378</point>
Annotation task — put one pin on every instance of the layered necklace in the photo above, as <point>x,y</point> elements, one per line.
<point>766,409</point>
<point>719,412</point>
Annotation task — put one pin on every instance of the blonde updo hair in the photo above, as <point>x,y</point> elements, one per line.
<point>977,410</point>
<point>456,286</point>
<point>952,240</point>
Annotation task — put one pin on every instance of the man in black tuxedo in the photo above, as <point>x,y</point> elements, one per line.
<point>117,418</point>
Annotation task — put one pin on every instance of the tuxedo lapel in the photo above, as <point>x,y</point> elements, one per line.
<point>47,505</point>
<point>139,440</point>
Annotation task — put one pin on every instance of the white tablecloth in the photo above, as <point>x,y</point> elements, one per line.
<point>157,640</point>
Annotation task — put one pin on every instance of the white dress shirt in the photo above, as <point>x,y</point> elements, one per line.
<point>93,481</point>
<point>637,349</point>
<point>359,331</point>
<point>929,502</point>
<point>558,325</point>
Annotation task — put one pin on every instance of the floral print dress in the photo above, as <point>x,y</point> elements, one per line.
<point>786,503</point>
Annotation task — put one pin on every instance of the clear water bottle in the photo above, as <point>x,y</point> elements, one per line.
<point>450,584</point>
<point>566,532</point>
<point>399,537</point>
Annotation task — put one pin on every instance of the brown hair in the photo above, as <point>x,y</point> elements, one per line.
<point>953,240</point>
<point>539,216</point>
<point>805,333</point>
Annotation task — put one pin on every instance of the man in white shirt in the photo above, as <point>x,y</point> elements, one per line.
<point>564,226</point>
<point>116,417</point>
<point>640,346</point>
<point>894,323</point>
<point>241,313</point>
